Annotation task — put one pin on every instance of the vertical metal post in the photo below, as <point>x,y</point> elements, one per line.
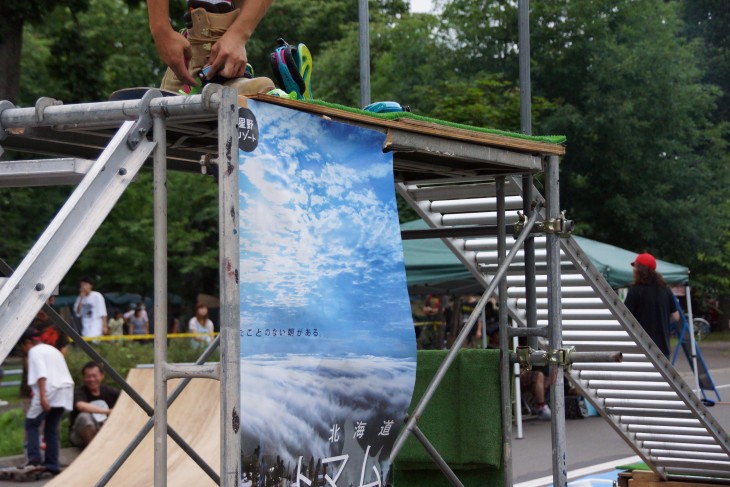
<point>523,29</point>
<point>160,311</point>
<point>518,393</point>
<point>364,37</point>
<point>504,349</point>
<point>229,290</point>
<point>557,394</point>
<point>693,343</point>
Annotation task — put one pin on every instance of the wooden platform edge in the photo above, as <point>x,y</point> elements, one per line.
<point>421,127</point>
<point>642,478</point>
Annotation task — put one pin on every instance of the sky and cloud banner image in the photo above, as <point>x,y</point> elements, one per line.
<point>328,353</point>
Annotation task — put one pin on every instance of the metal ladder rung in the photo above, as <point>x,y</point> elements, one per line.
<point>697,455</point>
<point>669,430</point>
<point>623,394</point>
<point>624,385</point>
<point>461,191</point>
<point>585,336</point>
<point>659,421</point>
<point>697,474</point>
<point>572,278</point>
<point>487,244</point>
<point>702,440</point>
<point>541,292</point>
<point>600,325</point>
<point>690,447</point>
<point>704,465</point>
<point>615,367</point>
<point>652,413</point>
<point>474,205</point>
<point>569,302</point>
<point>579,314</point>
<point>647,403</point>
<point>487,218</point>
<point>602,346</point>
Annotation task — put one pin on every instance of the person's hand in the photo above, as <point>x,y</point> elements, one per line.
<point>229,56</point>
<point>175,51</point>
<point>44,404</point>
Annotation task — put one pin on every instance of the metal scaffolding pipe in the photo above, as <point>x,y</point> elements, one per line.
<point>458,343</point>
<point>229,285</point>
<point>160,312</point>
<point>504,337</point>
<point>110,111</point>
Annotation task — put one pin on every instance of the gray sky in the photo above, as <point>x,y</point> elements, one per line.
<point>421,5</point>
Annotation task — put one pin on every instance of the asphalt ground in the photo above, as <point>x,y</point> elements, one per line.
<point>591,441</point>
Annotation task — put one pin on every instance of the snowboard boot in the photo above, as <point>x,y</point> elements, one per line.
<point>205,31</point>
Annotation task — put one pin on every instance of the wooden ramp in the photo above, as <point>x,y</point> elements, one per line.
<point>195,415</point>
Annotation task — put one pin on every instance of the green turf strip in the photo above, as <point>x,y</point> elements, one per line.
<point>634,466</point>
<point>548,139</point>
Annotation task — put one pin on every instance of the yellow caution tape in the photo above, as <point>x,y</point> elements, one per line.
<point>111,338</point>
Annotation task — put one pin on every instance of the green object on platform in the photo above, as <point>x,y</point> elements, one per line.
<point>634,466</point>
<point>547,139</point>
<point>462,421</point>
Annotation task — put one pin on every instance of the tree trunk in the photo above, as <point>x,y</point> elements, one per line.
<point>724,305</point>
<point>11,41</point>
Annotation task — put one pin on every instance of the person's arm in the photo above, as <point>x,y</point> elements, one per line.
<point>146,327</point>
<point>173,48</point>
<point>104,326</point>
<point>42,393</point>
<point>86,407</point>
<point>77,306</point>
<point>229,53</point>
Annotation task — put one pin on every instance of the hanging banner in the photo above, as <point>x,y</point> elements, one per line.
<point>328,354</point>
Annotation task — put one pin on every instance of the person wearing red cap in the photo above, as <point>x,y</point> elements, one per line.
<point>651,301</point>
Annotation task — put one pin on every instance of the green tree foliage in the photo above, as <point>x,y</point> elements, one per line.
<point>80,55</point>
<point>639,88</point>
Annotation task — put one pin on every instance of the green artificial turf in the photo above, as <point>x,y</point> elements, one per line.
<point>634,466</point>
<point>547,139</point>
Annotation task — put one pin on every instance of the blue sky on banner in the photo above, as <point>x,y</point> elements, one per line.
<point>319,238</point>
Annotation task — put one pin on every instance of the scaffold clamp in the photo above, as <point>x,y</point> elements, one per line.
<point>524,357</point>
<point>4,105</point>
<point>144,122</point>
<point>561,356</point>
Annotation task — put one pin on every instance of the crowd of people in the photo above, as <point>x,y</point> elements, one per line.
<point>47,387</point>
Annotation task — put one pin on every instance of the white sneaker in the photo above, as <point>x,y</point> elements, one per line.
<point>544,413</point>
<point>3,403</point>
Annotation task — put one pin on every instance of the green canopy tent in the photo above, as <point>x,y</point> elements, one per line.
<point>432,268</point>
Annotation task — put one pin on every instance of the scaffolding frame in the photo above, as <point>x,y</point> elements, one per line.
<point>457,180</point>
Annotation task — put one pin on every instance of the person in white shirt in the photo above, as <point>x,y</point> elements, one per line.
<point>53,392</point>
<point>201,324</point>
<point>91,308</point>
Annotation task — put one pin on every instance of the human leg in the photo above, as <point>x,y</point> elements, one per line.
<point>83,430</point>
<point>50,431</point>
<point>33,441</point>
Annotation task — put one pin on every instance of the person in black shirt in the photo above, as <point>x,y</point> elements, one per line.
<point>651,301</point>
<point>93,402</point>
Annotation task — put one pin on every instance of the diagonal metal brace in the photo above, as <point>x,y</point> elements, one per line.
<point>144,122</point>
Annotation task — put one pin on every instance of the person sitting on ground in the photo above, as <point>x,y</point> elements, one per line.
<point>533,381</point>
<point>92,404</point>
<point>52,394</point>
